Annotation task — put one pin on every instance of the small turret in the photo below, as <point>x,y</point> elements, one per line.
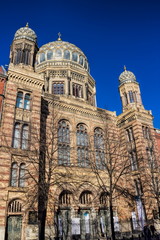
<point>24,47</point>
<point>129,90</point>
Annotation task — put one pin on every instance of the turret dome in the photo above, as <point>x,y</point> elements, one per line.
<point>25,32</point>
<point>127,76</point>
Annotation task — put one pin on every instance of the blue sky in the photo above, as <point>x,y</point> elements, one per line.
<point>112,33</point>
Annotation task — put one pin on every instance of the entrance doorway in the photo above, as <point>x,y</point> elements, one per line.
<point>14,220</point>
<point>14,227</point>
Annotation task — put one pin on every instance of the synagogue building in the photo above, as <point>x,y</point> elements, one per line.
<point>71,170</point>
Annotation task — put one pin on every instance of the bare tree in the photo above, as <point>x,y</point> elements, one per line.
<point>111,165</point>
<point>48,164</point>
<point>150,177</point>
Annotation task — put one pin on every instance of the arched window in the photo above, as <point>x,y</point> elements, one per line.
<point>85,64</point>
<point>22,175</point>
<point>85,197</point>
<point>66,54</point>
<point>99,148</point>
<point>146,132</point>
<point>27,101</point>
<point>81,60</point>
<point>16,136</point>
<point>49,55</point>
<point>19,102</point>
<point>77,90</point>
<point>26,56</point>
<point>42,57</point>
<point>23,100</point>
<point>25,135</point>
<point>63,143</point>
<point>133,160</point>
<point>14,174</point>
<point>103,198</point>
<point>18,56</point>
<point>130,135</point>
<point>17,175</point>
<point>125,99</point>
<point>131,96</point>
<point>58,53</point>
<point>74,56</point>
<point>82,146</point>
<point>20,136</point>
<point>65,198</point>
<point>15,206</point>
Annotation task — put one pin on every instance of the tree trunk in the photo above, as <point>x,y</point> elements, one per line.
<point>42,223</point>
<point>112,222</point>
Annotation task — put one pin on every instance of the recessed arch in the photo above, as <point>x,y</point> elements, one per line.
<point>15,206</point>
<point>65,197</point>
<point>86,197</point>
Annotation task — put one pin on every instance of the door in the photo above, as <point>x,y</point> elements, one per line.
<point>14,227</point>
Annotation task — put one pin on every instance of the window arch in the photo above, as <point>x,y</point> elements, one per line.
<point>133,160</point>
<point>23,100</point>
<point>58,53</point>
<point>18,56</point>
<point>15,206</point>
<point>130,135</point>
<point>24,138</point>
<point>22,170</point>
<point>16,135</point>
<point>131,96</point>
<point>85,64</point>
<point>63,143</point>
<point>81,60</point>
<point>99,148</point>
<point>19,101</point>
<point>26,56</point>
<point>42,57</point>
<point>77,90</point>
<point>65,198</point>
<point>146,132</point>
<point>75,56</point>
<point>103,198</point>
<point>125,99</point>
<point>49,55</point>
<point>67,54</point>
<point>17,175</point>
<point>86,197</point>
<point>82,146</point>
<point>20,136</point>
<point>27,99</point>
<point>14,174</point>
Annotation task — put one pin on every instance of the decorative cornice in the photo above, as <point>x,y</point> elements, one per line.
<point>29,80</point>
<point>133,114</point>
<point>85,111</point>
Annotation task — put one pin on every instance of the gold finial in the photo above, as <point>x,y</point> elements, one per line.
<point>59,37</point>
<point>125,68</point>
<point>27,24</point>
